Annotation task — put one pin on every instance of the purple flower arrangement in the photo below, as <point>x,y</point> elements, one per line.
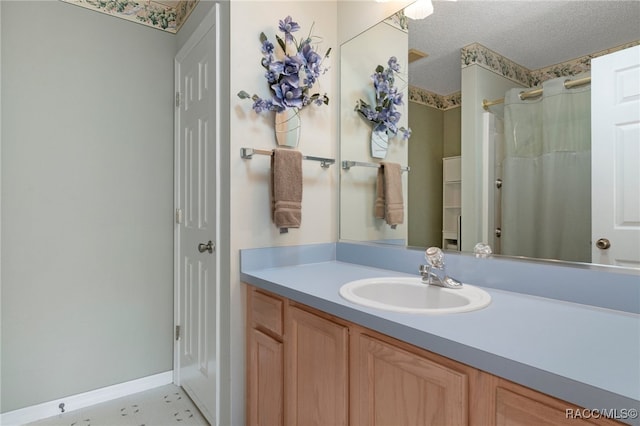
<point>292,76</point>
<point>384,114</point>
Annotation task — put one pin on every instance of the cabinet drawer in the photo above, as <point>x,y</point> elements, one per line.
<point>267,312</point>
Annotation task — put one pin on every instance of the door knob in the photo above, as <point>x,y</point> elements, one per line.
<point>202,247</point>
<point>603,244</point>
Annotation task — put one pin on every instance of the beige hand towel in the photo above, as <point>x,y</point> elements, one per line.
<point>379,204</point>
<point>389,198</point>
<point>286,188</point>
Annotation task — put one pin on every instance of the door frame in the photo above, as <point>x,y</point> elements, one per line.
<point>208,23</point>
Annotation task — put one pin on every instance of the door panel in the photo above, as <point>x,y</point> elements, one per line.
<point>615,122</point>
<point>196,186</point>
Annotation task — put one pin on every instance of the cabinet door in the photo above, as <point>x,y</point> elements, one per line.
<point>519,406</point>
<point>316,372</point>
<point>265,388</point>
<point>396,387</point>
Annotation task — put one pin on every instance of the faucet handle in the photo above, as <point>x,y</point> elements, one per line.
<point>435,260</point>
<point>435,257</point>
<point>482,250</point>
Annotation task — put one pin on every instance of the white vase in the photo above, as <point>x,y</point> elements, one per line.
<point>379,144</point>
<point>287,127</point>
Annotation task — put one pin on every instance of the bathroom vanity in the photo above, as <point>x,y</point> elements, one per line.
<point>309,367</point>
<point>315,358</point>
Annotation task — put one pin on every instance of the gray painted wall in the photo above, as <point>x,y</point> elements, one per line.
<point>87,200</point>
<point>194,20</point>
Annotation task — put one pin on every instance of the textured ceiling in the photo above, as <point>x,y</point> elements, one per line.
<point>534,34</point>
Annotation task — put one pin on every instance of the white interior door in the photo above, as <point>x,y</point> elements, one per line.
<point>196,258</point>
<point>615,178</point>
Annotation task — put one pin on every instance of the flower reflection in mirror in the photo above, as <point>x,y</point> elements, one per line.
<point>384,115</point>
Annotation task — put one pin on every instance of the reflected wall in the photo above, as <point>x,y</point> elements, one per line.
<point>435,135</point>
<point>359,59</point>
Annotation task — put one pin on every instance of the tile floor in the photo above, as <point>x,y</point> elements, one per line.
<point>163,406</point>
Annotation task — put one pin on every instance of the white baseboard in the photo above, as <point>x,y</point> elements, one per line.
<point>86,399</point>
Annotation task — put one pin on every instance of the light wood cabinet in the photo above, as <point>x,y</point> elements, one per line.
<point>266,382</point>
<point>398,387</point>
<point>265,359</point>
<point>316,377</point>
<point>517,405</point>
<point>297,364</point>
<point>306,367</point>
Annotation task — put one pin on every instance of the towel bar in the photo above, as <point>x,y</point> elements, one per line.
<point>347,164</point>
<point>248,153</point>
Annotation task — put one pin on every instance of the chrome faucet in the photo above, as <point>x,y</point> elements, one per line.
<point>434,272</point>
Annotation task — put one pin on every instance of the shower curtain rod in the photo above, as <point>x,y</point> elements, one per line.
<point>568,84</point>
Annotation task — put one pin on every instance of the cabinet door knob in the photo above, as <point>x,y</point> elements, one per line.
<point>603,244</point>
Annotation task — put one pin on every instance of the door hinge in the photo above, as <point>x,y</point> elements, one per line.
<point>177,99</point>
<point>178,215</point>
<point>177,332</point>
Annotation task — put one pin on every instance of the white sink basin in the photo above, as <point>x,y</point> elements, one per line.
<point>410,295</point>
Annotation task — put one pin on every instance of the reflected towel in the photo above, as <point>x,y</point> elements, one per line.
<point>379,204</point>
<point>389,204</point>
<point>286,188</point>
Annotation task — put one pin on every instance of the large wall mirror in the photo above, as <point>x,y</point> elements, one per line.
<point>477,50</point>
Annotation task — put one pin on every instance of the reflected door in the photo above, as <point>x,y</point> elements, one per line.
<point>615,121</point>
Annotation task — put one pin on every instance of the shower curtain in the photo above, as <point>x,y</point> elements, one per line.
<point>546,192</point>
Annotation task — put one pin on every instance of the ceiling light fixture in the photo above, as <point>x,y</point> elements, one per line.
<point>419,10</point>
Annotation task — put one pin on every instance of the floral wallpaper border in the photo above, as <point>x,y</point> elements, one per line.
<point>573,67</point>
<point>399,21</point>
<point>147,12</point>
<point>477,54</point>
<point>441,102</point>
